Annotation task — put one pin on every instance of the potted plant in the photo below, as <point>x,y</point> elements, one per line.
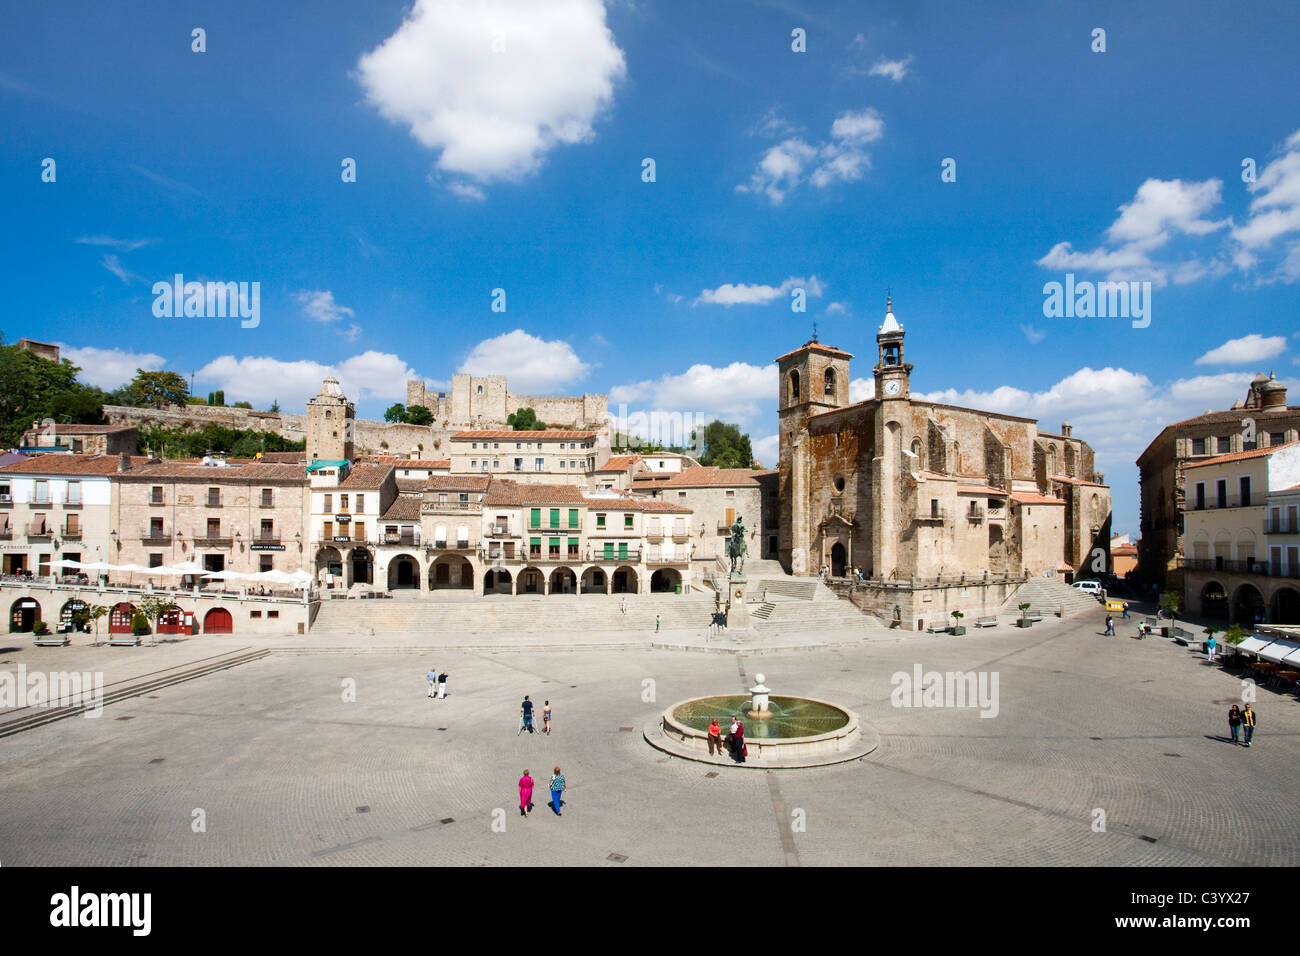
<point>1024,615</point>
<point>40,628</point>
<point>139,624</point>
<point>957,629</point>
<point>1171,602</point>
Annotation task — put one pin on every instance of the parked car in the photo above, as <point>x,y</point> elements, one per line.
<point>1088,587</point>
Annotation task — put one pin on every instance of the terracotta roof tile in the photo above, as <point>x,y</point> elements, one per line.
<point>619,463</point>
<point>61,464</point>
<point>458,482</point>
<point>366,475</point>
<point>815,347</point>
<point>504,493</point>
<point>706,476</point>
<point>1239,456</point>
<point>1030,498</point>
<point>403,508</point>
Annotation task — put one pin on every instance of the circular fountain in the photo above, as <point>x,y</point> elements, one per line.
<point>781,731</point>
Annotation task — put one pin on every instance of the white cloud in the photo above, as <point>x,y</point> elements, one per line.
<point>861,389</point>
<point>891,69</point>
<point>261,379</point>
<point>837,308</point>
<point>1274,212</point>
<point>122,245</point>
<point>531,365</point>
<point>1034,335</point>
<point>767,450</point>
<point>1160,210</point>
<point>841,158</point>
<point>741,294</point>
<point>1245,350</point>
<point>732,393</point>
<point>494,85</point>
<point>114,265</point>
<point>109,368</point>
<point>320,305</point>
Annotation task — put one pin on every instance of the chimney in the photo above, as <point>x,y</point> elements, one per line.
<point>123,462</point>
<point>1066,428</point>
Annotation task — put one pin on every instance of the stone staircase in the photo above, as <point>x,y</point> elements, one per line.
<point>804,604</point>
<point>561,614</point>
<point>1046,596</point>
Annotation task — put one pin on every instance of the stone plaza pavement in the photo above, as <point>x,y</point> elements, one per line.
<point>286,772</point>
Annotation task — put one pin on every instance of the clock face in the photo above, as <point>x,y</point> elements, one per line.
<point>893,387</point>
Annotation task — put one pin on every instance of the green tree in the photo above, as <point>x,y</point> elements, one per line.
<point>242,405</point>
<point>153,390</point>
<point>395,413</point>
<point>418,415</point>
<point>726,446</point>
<point>525,420</point>
<point>33,389</point>
<point>275,407</point>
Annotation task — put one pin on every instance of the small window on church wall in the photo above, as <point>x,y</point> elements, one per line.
<point>794,386</point>
<point>830,381</point>
<point>916,447</point>
<point>839,483</point>
<point>480,390</point>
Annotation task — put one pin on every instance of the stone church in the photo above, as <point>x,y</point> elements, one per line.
<point>941,507</point>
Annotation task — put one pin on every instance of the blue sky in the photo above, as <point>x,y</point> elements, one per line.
<point>500,147</point>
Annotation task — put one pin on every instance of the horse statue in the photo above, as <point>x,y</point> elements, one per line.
<point>736,547</point>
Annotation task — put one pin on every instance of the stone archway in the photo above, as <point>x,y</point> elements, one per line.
<point>626,581</point>
<point>665,581</point>
<point>1285,606</point>
<point>1248,606</point>
<point>363,566</point>
<point>451,572</point>
<point>531,581</point>
<point>497,581</point>
<point>594,581</point>
<point>563,581</point>
<point>839,558</point>
<point>403,573</point>
<point>23,615</point>
<point>1214,601</point>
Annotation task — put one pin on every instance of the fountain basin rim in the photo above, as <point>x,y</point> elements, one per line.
<point>850,728</point>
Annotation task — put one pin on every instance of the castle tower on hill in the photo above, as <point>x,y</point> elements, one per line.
<point>331,424</point>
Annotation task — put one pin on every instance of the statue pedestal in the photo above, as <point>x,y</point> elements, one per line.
<point>737,594</point>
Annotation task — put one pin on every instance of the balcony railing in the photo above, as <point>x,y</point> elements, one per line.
<point>218,539</point>
<point>497,532</point>
<point>548,557</point>
<point>72,502</point>
<point>158,535</point>
<point>37,530</point>
<point>631,556</point>
<point>1281,526</point>
<point>266,537</point>
<point>156,500</point>
<point>1238,567</point>
<point>668,559</point>
<point>212,501</point>
<point>5,533</point>
<point>496,553</point>
<point>408,540</point>
<point>266,503</point>
<point>70,534</point>
<point>430,506</point>
<point>932,515</point>
<point>1229,501</point>
<point>975,514</point>
<point>451,545</point>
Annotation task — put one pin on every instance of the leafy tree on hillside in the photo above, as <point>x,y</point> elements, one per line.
<point>418,415</point>
<point>726,446</point>
<point>153,390</point>
<point>33,389</point>
<point>525,420</point>
<point>395,413</point>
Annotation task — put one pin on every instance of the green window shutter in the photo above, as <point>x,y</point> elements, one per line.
<point>622,551</point>
<point>536,518</point>
<point>535,542</point>
<point>573,542</point>
<point>555,518</point>
<point>627,521</point>
<point>609,550</point>
<point>573,517</point>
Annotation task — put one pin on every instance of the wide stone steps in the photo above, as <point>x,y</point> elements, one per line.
<point>513,615</point>
<point>1048,596</point>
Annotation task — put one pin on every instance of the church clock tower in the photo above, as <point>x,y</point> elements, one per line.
<point>892,373</point>
<point>892,394</point>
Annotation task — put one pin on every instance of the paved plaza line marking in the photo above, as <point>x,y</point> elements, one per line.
<point>347,846</point>
<point>1080,819</point>
<point>782,820</point>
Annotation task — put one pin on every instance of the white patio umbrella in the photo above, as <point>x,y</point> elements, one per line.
<point>226,575</point>
<point>273,576</point>
<point>302,579</point>
<point>187,567</point>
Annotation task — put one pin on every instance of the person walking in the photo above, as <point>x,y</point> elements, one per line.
<point>557,791</point>
<point>1248,723</point>
<point>432,678</point>
<point>442,686</point>
<point>525,794</point>
<point>1234,723</point>
<point>1210,647</point>
<point>1125,615</point>
<point>546,718</point>
<point>526,714</point>
<point>739,742</point>
<point>1110,626</point>
<point>622,605</point>
<point>656,623</point>
<point>715,736</point>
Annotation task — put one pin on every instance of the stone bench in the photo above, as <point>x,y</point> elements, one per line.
<point>124,640</point>
<point>986,622</point>
<point>52,640</point>
<point>937,629</point>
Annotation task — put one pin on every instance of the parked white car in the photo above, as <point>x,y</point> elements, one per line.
<point>1088,587</point>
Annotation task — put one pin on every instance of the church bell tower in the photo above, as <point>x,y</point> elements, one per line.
<point>893,375</point>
